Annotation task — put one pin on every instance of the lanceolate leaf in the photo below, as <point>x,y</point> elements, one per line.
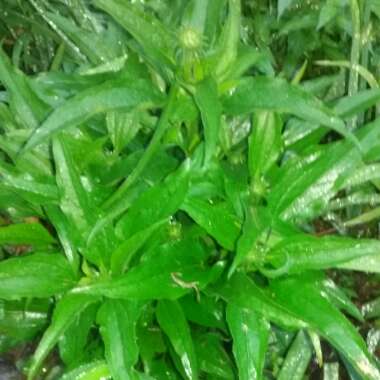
<point>74,202</point>
<point>305,252</point>
<point>241,291</point>
<point>22,320</point>
<point>28,109</point>
<point>67,309</point>
<point>250,333</point>
<point>108,96</point>
<point>274,94</point>
<point>156,41</point>
<point>77,205</point>
<point>92,371</point>
<point>25,233</point>
<point>36,275</point>
<point>264,147</point>
<point>72,344</point>
<point>206,97</point>
<point>117,321</point>
<point>303,191</point>
<point>169,272</point>
<point>173,322</point>
<point>322,317</point>
<point>157,203</point>
<point>218,220</point>
<point>297,359</point>
<point>212,357</point>
<point>229,40</point>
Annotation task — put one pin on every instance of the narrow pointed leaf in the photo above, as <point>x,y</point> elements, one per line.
<point>67,309</point>
<point>171,271</point>
<point>218,220</point>
<point>28,109</point>
<point>212,358</point>
<point>282,6</point>
<point>324,318</point>
<point>206,97</point>
<point>297,359</point>
<point>264,145</point>
<point>92,371</point>
<point>108,96</point>
<point>303,191</point>
<point>117,321</point>
<point>22,276</point>
<point>26,233</point>
<point>157,203</point>
<point>229,40</point>
<point>250,333</point>
<point>73,342</point>
<point>173,322</point>
<point>241,291</point>
<point>156,41</point>
<point>306,252</point>
<point>275,94</point>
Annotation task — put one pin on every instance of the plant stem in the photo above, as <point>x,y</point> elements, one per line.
<point>353,84</point>
<point>150,150</point>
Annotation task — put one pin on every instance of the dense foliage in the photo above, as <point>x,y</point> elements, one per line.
<point>189,188</point>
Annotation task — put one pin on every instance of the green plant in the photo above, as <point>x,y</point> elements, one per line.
<point>167,172</point>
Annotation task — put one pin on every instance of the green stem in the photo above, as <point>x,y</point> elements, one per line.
<point>150,150</point>
<point>353,83</point>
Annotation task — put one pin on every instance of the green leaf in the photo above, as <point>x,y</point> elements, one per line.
<point>33,191</point>
<point>352,105</point>
<point>207,311</point>
<point>228,42</point>
<point>65,313</point>
<point>206,97</point>
<point>111,95</point>
<point>93,45</point>
<point>169,272</point>
<point>368,264</point>
<point>92,371</point>
<point>331,371</point>
<point>217,219</point>
<point>212,357</point>
<point>72,344</point>
<point>122,127</point>
<point>372,309</point>
<point>36,275</point>
<point>157,42</point>
<point>125,252</point>
<point>339,298</point>
<point>282,6</point>
<point>257,222</point>
<point>173,322</point>
<point>26,233</point>
<point>324,318</point>
<point>66,234</point>
<point>157,203</point>
<point>265,145</point>
<point>26,106</point>
<point>274,94</point>
<point>76,203</point>
<point>117,321</point>
<point>328,12</point>
<point>22,320</point>
<point>250,333</point>
<point>302,191</point>
<point>306,252</point>
<point>151,149</point>
<point>297,359</point>
<point>241,291</point>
